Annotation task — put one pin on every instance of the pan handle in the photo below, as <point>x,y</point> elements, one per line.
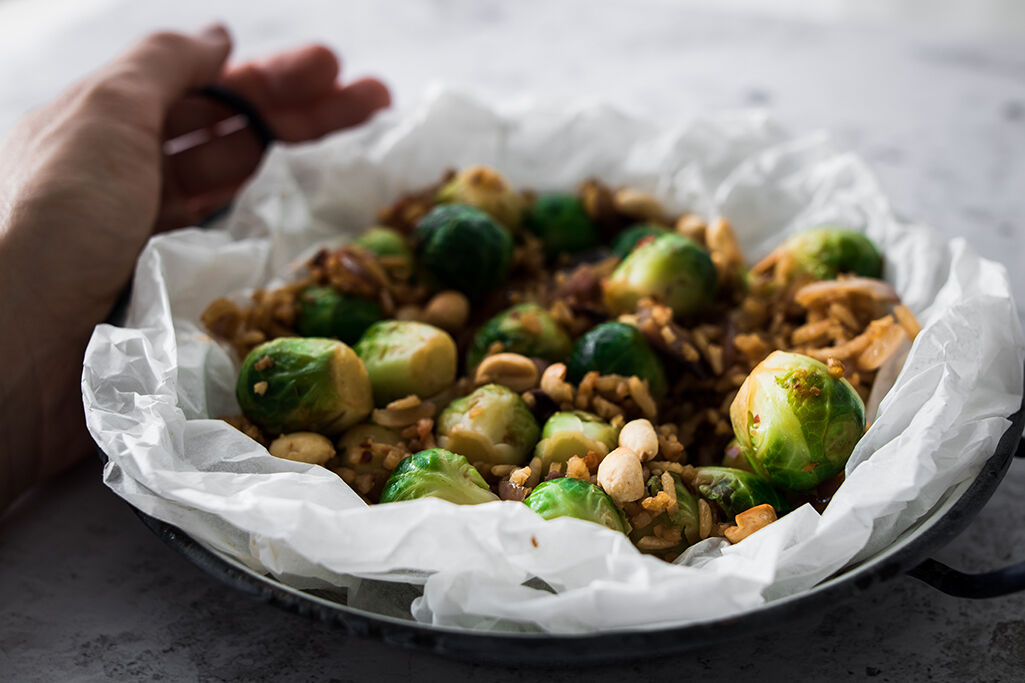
<point>976,586</point>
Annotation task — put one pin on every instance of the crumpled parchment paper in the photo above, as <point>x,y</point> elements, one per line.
<point>154,386</point>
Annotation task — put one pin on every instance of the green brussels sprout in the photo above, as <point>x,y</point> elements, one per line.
<point>572,433</point>
<point>462,248</point>
<point>615,348</point>
<point>568,497</point>
<point>493,425</point>
<point>562,223</point>
<point>684,515</point>
<point>437,473</point>
<point>294,384</point>
<point>526,329</point>
<point>404,357</point>
<point>628,239</point>
<point>485,189</point>
<point>736,490</point>
<point>326,312</point>
<point>350,446</point>
<point>734,457</point>
<point>671,269</point>
<point>796,423</point>
<point>387,242</point>
<point>823,253</point>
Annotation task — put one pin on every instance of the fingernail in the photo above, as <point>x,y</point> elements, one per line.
<point>214,33</point>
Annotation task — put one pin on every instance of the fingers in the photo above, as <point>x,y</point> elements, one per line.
<point>165,66</point>
<point>285,80</point>
<point>228,161</point>
<point>341,108</point>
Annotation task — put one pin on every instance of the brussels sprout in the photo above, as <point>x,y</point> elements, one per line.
<point>616,348</point>
<point>294,384</point>
<point>574,433</point>
<point>568,497</point>
<point>493,424</point>
<point>326,312</point>
<point>736,490</point>
<point>628,239</point>
<point>387,242</point>
<point>437,473</point>
<point>463,248</point>
<point>684,515</point>
<point>796,423</point>
<point>825,252</point>
<point>670,269</point>
<point>360,459</point>
<point>485,189</point>
<point>526,329</point>
<point>734,457</point>
<point>562,223</point>
<point>405,357</point>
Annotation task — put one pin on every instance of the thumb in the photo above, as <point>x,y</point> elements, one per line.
<point>167,65</point>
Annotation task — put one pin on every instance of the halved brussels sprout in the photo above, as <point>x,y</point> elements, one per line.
<point>387,242</point>
<point>796,423</point>
<point>736,490</point>
<point>526,329</point>
<point>615,348</point>
<point>671,269</point>
<point>485,189</point>
<point>562,223</point>
<point>465,249</point>
<point>825,252</point>
<point>568,497</point>
<point>437,473</point>
<point>326,312</point>
<point>628,239</point>
<point>685,514</point>
<point>493,424</point>
<point>572,433</point>
<point>404,357</point>
<point>733,456</point>
<point>363,459</point>
<point>294,384</point>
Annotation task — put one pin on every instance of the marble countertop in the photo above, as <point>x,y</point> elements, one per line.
<point>87,593</point>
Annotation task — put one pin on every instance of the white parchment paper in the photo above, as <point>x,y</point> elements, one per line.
<point>152,386</point>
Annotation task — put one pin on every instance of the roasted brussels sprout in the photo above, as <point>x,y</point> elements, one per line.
<point>526,329</point>
<point>628,239</point>
<point>684,515</point>
<point>734,457</point>
<point>296,384</point>
<point>361,459</point>
<point>825,252</point>
<point>572,433</point>
<point>387,242</point>
<point>405,357</point>
<point>485,189</point>
<point>493,425</point>
<point>796,423</point>
<point>736,490</point>
<point>562,223</point>
<point>616,348</point>
<point>465,249</point>
<point>568,497</point>
<point>671,269</point>
<point>326,312</point>
<point>437,473</point>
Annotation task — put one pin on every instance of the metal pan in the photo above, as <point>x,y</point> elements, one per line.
<point>906,556</point>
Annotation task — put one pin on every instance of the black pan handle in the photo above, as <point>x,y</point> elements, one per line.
<point>976,586</point>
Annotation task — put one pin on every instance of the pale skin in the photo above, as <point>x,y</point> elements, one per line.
<point>84,182</point>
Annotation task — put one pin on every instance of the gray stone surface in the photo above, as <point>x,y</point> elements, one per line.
<point>87,593</point>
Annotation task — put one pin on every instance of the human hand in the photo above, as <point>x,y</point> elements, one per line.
<point>84,182</point>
